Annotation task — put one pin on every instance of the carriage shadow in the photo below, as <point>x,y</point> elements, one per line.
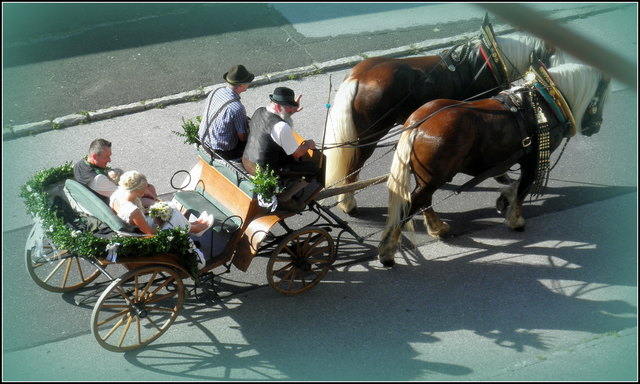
<point>366,322</point>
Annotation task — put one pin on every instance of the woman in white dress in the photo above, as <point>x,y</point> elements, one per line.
<point>126,203</point>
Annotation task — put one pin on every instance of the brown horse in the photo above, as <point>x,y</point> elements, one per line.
<point>380,93</point>
<point>486,137</point>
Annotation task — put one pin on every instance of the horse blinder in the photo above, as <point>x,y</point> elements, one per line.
<point>593,115</point>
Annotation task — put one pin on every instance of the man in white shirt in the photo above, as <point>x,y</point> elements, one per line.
<point>272,144</point>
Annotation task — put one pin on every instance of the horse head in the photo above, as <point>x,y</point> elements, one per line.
<point>586,91</point>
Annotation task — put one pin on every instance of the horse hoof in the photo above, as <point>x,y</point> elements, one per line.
<point>518,226</point>
<point>388,263</point>
<point>443,230</point>
<point>503,179</point>
<point>350,209</point>
<point>353,212</point>
<point>502,203</point>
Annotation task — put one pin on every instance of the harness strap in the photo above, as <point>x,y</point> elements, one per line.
<point>451,58</point>
<point>518,111</point>
<point>488,42</point>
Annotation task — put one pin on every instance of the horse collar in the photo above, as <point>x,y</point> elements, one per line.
<point>544,85</point>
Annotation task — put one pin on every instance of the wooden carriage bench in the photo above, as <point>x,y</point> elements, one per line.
<point>225,190</point>
<point>204,181</point>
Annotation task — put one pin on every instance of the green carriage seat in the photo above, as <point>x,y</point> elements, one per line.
<point>85,200</point>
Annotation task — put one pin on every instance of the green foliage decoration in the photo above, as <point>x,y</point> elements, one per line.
<point>190,131</point>
<point>265,182</point>
<point>40,204</point>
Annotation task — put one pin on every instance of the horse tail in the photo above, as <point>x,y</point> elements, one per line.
<point>341,130</point>
<point>399,180</point>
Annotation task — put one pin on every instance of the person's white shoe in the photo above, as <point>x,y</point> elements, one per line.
<point>207,219</point>
<point>203,216</point>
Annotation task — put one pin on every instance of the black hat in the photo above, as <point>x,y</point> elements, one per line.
<point>238,75</point>
<point>284,96</point>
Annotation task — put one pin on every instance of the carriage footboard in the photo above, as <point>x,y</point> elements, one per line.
<point>196,203</point>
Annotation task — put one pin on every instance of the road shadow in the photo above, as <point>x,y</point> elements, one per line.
<point>39,32</point>
<point>513,291</point>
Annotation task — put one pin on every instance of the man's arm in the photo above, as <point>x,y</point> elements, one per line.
<point>282,134</point>
<point>103,185</point>
<point>303,148</point>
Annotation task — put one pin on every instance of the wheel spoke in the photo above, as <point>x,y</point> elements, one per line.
<point>155,299</point>
<point>115,316</point>
<point>77,262</point>
<point>65,276</point>
<point>124,331</point>
<point>143,294</point>
<point>287,266</point>
<point>115,327</point>
<point>153,323</point>
<point>55,270</point>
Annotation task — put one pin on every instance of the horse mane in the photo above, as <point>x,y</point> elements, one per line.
<point>562,57</point>
<point>516,51</point>
<point>578,84</point>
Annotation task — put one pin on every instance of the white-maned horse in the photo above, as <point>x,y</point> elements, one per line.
<point>446,137</point>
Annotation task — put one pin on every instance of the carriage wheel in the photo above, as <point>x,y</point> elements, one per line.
<point>301,260</point>
<point>52,268</point>
<point>137,308</point>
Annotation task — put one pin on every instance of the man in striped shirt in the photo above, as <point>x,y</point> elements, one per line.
<point>225,126</point>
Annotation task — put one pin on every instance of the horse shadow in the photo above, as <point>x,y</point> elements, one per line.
<point>554,199</point>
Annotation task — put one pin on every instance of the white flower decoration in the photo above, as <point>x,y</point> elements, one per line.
<point>112,251</point>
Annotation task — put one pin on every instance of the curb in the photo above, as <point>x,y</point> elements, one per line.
<point>195,95</point>
<point>310,70</point>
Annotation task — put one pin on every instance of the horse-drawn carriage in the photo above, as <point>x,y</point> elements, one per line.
<point>139,306</point>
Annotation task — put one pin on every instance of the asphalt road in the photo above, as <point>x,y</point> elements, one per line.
<point>482,304</point>
<point>62,59</point>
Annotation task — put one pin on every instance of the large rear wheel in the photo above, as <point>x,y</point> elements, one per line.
<point>54,269</point>
<point>301,260</point>
<point>137,308</point>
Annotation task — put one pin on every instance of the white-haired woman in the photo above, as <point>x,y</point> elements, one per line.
<point>126,203</point>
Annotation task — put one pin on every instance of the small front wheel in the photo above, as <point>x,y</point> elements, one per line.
<point>137,308</point>
<point>301,260</point>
